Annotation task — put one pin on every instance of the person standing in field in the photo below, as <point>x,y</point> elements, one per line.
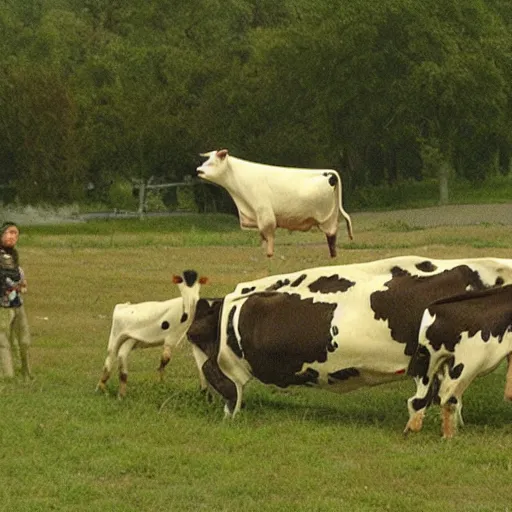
<point>13,318</point>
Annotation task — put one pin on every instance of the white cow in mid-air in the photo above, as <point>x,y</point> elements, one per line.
<point>270,197</point>
<point>150,324</point>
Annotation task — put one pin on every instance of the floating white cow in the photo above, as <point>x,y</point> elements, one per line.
<point>150,324</point>
<point>463,336</point>
<point>338,327</point>
<point>270,197</point>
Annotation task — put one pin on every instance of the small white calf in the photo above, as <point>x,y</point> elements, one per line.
<point>150,324</point>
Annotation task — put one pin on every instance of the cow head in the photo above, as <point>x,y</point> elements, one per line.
<point>189,285</point>
<point>215,166</point>
<point>204,329</point>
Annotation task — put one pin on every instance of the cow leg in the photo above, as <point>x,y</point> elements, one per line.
<point>417,404</point>
<point>200,358</point>
<point>331,242</point>
<point>222,384</point>
<point>267,238</point>
<point>508,384</point>
<point>267,224</point>
<point>449,420</point>
<point>107,368</point>
<point>415,423</point>
<point>451,391</point>
<point>122,359</point>
<point>164,361</point>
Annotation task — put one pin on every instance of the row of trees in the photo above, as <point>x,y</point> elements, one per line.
<point>94,91</point>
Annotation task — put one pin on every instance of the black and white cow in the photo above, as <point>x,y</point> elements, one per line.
<point>464,336</point>
<point>338,327</point>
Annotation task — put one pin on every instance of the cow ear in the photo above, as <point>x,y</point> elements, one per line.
<point>205,155</point>
<point>177,279</point>
<point>203,280</point>
<point>222,153</point>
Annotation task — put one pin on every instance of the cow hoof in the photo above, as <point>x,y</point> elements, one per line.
<point>414,424</point>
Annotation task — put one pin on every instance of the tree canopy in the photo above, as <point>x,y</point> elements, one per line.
<point>97,90</point>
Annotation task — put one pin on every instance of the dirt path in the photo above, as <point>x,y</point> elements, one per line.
<point>439,216</point>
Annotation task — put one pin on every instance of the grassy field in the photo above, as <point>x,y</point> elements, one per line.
<point>66,448</point>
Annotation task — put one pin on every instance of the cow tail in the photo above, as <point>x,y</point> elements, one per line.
<point>348,220</point>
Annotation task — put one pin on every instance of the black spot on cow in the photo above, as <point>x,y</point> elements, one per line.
<point>332,346</point>
<point>231,335</point>
<point>419,403</point>
<point>331,284</point>
<point>308,376</point>
<point>184,318</point>
<point>298,280</point>
<point>278,284</point>
<point>335,330</point>
<point>248,290</point>
<point>455,372</point>
<point>403,303</point>
<point>344,374</point>
<point>419,363</point>
<point>499,281</point>
<point>398,272</point>
<point>452,400</point>
<point>426,266</point>
<point>281,333</point>
<point>432,396</point>
<point>165,325</point>
<point>190,277</point>
<point>333,179</point>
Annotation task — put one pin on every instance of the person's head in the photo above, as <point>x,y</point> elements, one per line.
<point>9,233</point>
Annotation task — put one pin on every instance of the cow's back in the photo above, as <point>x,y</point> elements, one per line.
<point>373,326</point>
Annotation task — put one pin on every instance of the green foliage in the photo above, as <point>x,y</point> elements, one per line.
<point>97,91</point>
<point>417,194</point>
<point>120,196</point>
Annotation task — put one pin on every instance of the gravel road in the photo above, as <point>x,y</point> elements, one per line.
<point>439,216</point>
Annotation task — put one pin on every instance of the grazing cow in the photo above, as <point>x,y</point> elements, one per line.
<point>270,197</point>
<point>338,327</point>
<point>150,324</point>
<point>463,336</point>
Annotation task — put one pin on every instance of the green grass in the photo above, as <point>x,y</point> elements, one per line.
<point>66,448</point>
<point>420,194</point>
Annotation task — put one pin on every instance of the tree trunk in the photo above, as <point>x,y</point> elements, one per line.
<point>444,174</point>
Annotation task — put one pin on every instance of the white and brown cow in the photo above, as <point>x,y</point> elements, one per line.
<point>150,324</point>
<point>338,327</point>
<point>463,336</point>
<point>270,197</point>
